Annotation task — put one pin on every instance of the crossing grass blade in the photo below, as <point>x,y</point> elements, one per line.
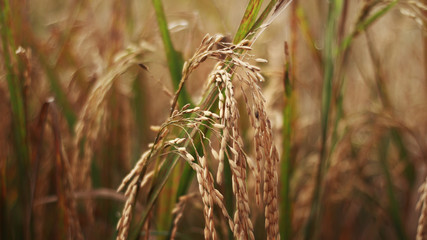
<point>364,23</point>
<point>249,19</point>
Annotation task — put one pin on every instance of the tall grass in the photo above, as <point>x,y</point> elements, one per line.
<point>145,120</point>
<point>20,216</point>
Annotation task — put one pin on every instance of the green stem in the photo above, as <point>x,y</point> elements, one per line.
<point>394,204</point>
<point>329,61</point>
<point>174,59</point>
<point>286,167</point>
<point>21,220</point>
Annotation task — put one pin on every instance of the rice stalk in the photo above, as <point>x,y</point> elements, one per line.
<point>383,95</point>
<point>174,59</point>
<point>64,188</point>
<point>393,135</point>
<point>21,217</point>
<point>329,63</point>
<point>393,202</point>
<point>286,164</point>
<point>175,62</point>
<point>53,76</point>
<point>231,145</point>
<point>60,96</point>
<point>64,182</point>
<point>364,21</point>
<point>247,29</point>
<point>91,120</point>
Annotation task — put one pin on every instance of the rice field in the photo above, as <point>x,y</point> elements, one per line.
<point>186,119</point>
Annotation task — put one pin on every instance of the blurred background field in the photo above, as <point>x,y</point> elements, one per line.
<point>348,106</point>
